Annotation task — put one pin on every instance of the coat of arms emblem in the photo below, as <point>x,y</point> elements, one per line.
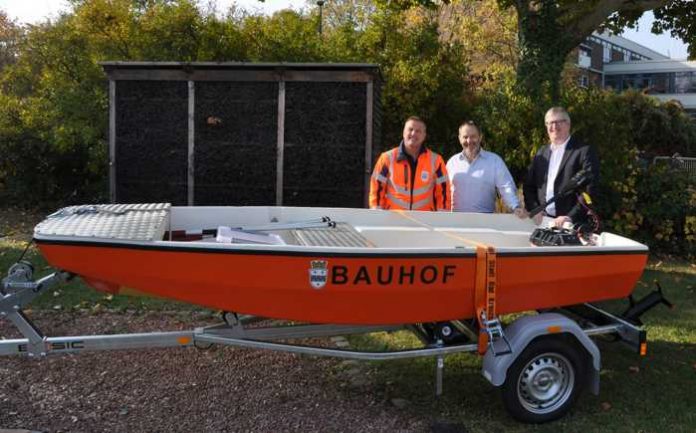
<point>318,273</point>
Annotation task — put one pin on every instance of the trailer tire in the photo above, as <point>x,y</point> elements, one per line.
<point>545,380</point>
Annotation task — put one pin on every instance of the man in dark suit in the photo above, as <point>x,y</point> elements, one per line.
<point>554,166</point>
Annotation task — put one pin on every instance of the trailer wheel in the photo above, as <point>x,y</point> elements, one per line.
<point>544,381</point>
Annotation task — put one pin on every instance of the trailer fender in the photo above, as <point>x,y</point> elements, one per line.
<point>523,331</point>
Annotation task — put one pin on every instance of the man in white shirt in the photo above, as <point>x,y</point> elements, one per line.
<point>475,174</point>
<point>554,166</point>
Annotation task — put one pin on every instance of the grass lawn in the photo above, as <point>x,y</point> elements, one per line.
<point>651,394</point>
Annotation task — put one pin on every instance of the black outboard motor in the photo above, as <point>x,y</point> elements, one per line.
<point>580,234</point>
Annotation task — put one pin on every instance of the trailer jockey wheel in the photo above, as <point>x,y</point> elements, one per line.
<point>544,381</point>
<point>22,270</point>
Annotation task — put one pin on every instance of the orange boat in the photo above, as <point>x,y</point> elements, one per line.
<point>333,265</point>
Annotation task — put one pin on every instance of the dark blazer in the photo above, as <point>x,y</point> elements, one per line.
<point>576,157</point>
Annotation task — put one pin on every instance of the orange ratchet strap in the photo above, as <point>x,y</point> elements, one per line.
<point>484,285</point>
<point>484,292</point>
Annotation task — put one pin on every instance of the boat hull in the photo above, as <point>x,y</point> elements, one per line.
<point>349,288</point>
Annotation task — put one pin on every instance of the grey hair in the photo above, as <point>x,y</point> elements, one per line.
<point>557,110</point>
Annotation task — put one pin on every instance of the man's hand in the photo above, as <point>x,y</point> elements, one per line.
<point>559,221</point>
<point>538,218</point>
<point>520,213</point>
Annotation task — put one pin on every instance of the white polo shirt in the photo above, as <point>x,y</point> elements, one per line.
<point>474,184</point>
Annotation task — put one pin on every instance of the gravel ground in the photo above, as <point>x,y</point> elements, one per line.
<point>223,389</point>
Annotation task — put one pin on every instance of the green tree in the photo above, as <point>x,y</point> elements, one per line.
<point>10,35</point>
<point>287,36</point>
<point>548,30</point>
<point>424,75</point>
<point>487,34</point>
<point>52,132</point>
<point>53,115</point>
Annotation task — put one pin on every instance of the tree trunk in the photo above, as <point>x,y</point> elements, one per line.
<point>544,45</point>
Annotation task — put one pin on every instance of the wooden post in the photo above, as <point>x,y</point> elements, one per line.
<point>191,141</point>
<point>281,142</point>
<point>368,139</point>
<point>112,141</point>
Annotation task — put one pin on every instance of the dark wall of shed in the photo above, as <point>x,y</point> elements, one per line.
<point>151,141</point>
<point>377,145</point>
<point>324,144</point>
<point>235,140</point>
<point>235,143</point>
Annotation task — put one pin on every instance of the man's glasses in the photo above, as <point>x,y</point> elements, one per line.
<point>556,122</point>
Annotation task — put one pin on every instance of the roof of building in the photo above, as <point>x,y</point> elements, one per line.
<point>236,65</point>
<point>241,71</point>
<point>629,45</point>
<point>651,66</point>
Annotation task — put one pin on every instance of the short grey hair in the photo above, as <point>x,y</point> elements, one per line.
<point>557,110</point>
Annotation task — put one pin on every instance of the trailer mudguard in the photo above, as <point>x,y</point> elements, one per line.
<point>525,329</point>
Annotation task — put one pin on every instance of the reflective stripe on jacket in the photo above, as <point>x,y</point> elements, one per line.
<point>390,185</point>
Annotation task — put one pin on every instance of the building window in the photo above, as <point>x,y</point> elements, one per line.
<point>684,82</point>
<point>584,59</point>
<point>584,81</point>
<point>659,83</point>
<point>612,82</point>
<point>606,53</point>
<point>636,81</point>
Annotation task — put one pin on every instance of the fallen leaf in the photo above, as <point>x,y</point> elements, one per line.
<point>606,406</point>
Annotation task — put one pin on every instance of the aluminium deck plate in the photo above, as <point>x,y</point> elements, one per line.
<point>140,222</point>
<point>343,235</point>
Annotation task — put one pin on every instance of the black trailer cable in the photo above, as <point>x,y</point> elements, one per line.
<point>25,250</point>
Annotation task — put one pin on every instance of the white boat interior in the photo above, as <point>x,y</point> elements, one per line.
<point>299,227</point>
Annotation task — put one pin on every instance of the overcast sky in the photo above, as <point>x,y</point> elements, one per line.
<point>30,11</point>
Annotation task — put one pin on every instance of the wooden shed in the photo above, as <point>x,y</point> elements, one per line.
<point>293,134</point>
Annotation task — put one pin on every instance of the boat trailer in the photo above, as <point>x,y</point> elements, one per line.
<point>541,362</point>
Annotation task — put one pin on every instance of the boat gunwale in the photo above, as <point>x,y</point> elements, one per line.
<point>247,249</point>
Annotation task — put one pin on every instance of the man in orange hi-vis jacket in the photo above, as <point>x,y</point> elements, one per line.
<point>410,176</point>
